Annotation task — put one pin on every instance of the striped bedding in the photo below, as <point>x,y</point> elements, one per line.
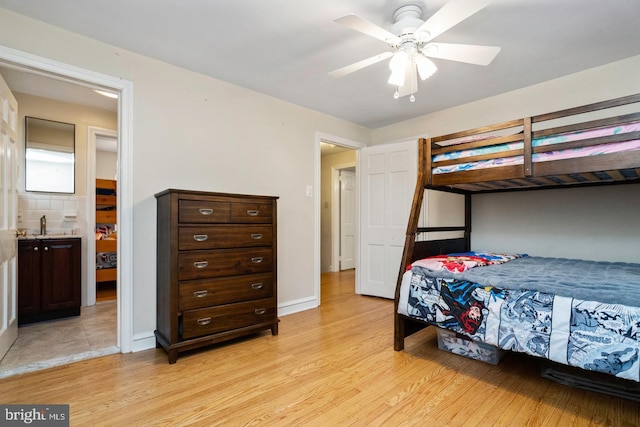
<point>543,156</point>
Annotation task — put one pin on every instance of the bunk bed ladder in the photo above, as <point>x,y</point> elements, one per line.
<point>404,326</point>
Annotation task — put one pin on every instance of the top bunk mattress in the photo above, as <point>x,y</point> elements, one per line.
<point>591,144</point>
<point>544,156</point>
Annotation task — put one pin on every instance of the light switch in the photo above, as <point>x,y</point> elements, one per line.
<point>309,191</point>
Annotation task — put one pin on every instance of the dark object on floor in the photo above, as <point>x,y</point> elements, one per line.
<point>592,381</point>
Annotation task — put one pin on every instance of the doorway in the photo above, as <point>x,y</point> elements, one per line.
<point>87,79</point>
<point>336,165</point>
<point>102,179</point>
<point>343,217</point>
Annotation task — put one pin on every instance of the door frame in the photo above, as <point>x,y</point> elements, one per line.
<point>343,142</point>
<point>71,74</point>
<point>336,218</point>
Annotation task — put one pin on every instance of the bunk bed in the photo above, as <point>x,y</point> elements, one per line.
<point>595,144</point>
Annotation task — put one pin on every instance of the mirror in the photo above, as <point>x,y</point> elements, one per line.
<point>49,156</point>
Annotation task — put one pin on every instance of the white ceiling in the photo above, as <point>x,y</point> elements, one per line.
<point>34,84</point>
<point>285,48</point>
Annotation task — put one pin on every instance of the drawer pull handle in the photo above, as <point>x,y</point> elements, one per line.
<point>205,211</point>
<point>200,264</point>
<point>257,285</point>
<point>260,311</point>
<point>252,212</point>
<point>256,259</point>
<point>200,294</point>
<point>200,237</point>
<point>256,236</point>
<point>205,321</point>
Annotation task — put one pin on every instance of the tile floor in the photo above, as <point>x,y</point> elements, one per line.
<point>58,342</point>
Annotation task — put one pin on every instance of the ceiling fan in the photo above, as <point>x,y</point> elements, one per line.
<point>410,40</point>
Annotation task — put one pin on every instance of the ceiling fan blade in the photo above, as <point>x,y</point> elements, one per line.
<point>360,24</point>
<point>410,82</point>
<point>360,65</point>
<point>469,53</point>
<point>452,13</point>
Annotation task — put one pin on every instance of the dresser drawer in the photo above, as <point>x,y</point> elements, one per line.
<point>208,292</point>
<point>224,236</point>
<point>203,212</point>
<point>226,317</point>
<point>224,262</point>
<point>251,213</point>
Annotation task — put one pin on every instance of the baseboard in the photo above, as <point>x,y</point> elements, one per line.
<point>143,342</point>
<point>296,306</point>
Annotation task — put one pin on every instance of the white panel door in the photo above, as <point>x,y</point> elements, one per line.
<point>8,214</point>
<point>388,176</point>
<point>347,220</point>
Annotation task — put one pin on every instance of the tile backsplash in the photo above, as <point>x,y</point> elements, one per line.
<point>66,213</point>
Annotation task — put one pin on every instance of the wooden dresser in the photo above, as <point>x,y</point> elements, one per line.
<point>216,272</point>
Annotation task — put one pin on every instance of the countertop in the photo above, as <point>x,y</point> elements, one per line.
<point>48,236</point>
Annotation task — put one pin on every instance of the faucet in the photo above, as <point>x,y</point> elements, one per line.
<point>43,225</point>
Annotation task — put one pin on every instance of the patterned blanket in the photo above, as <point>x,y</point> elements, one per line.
<point>459,262</point>
<point>603,337</point>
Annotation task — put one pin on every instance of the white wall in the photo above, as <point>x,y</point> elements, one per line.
<point>106,165</point>
<point>596,223</point>
<point>590,223</point>
<point>194,132</point>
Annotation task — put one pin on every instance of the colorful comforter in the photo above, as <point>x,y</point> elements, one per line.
<point>577,313</point>
<point>543,156</point>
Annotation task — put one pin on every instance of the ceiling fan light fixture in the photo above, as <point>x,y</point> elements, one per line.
<point>399,61</point>
<point>398,64</point>
<point>426,67</point>
<point>396,79</point>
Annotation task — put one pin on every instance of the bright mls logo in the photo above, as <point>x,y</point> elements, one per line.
<point>36,415</point>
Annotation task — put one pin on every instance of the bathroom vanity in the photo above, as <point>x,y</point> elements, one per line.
<point>48,278</point>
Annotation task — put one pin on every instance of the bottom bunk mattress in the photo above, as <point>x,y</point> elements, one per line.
<point>579,313</point>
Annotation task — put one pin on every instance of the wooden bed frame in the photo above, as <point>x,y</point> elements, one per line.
<point>613,168</point>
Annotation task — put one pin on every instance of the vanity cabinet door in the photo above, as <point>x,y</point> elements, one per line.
<point>60,273</point>
<point>48,279</point>
<point>28,277</point>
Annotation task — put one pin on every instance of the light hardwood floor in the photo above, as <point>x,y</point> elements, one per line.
<point>330,366</point>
